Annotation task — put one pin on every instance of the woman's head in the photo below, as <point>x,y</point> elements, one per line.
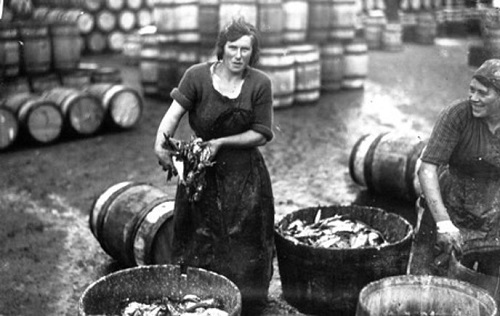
<point>484,89</point>
<point>232,32</point>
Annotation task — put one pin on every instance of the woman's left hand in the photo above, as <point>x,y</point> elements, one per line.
<point>214,145</point>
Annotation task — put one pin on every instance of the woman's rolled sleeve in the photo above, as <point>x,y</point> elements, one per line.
<point>263,106</point>
<point>185,93</point>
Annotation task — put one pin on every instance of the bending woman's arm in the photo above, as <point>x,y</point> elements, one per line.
<point>168,126</point>
<point>249,138</point>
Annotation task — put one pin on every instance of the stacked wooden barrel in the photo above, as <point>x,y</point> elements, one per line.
<point>103,25</point>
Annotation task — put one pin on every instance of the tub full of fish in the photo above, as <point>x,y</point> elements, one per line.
<point>338,231</point>
<point>161,290</point>
<point>327,254</point>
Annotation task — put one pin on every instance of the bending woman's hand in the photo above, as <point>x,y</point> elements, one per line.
<point>449,238</point>
<point>165,161</point>
<point>214,145</point>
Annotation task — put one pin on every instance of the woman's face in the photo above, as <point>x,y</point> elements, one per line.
<point>237,54</point>
<point>485,101</point>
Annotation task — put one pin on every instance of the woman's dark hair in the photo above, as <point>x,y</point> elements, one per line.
<point>232,32</point>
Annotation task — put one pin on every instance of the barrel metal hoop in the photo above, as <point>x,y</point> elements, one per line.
<point>140,217</point>
<point>411,169</point>
<point>352,158</point>
<point>106,198</point>
<point>368,160</point>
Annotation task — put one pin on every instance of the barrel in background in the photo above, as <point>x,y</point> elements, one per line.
<point>39,119</point>
<point>296,20</point>
<point>235,9</point>
<point>208,22</point>
<point>320,12</point>
<point>123,105</point>
<point>424,295</point>
<point>9,128</point>
<point>36,48</point>
<point>149,63</point>
<point>307,73</point>
<point>332,66</point>
<point>343,20</point>
<point>279,65</point>
<point>125,219</point>
<point>355,64</point>
<point>66,49</point>
<point>10,50</point>
<point>386,163</point>
<point>82,112</point>
<point>270,22</point>
<point>326,281</point>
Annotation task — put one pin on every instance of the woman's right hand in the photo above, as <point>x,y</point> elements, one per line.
<point>449,238</point>
<point>165,161</point>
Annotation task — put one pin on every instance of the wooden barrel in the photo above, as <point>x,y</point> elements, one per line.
<point>280,68</point>
<point>126,218</point>
<point>36,47</point>
<point>235,9</point>
<point>66,50</point>
<point>375,24</point>
<point>208,22</point>
<point>490,27</point>
<point>187,55</point>
<point>148,63</point>
<point>41,83</point>
<point>9,128</point>
<point>83,20</point>
<point>82,112</point>
<point>409,24</point>
<point>106,74</point>
<point>392,37</point>
<point>164,17</point>
<point>424,295</point>
<point>114,5</point>
<point>426,29</point>
<point>479,265</point>
<point>296,20</point>
<point>134,5</point>
<point>132,48</point>
<point>168,72</point>
<point>145,17</point>
<point>10,51</point>
<point>327,281</point>
<point>355,65</point>
<point>40,119</point>
<point>105,21</point>
<point>115,40</point>
<point>95,42</point>
<point>123,105</point>
<point>187,21</point>
<point>320,12</point>
<point>77,79</point>
<point>387,163</point>
<point>343,20</point>
<point>126,20</point>
<point>270,22</point>
<point>332,66</point>
<point>307,72</point>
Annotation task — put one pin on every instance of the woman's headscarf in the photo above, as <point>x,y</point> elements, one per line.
<point>489,74</point>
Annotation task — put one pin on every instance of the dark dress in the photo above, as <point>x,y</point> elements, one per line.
<point>469,176</point>
<point>229,230</point>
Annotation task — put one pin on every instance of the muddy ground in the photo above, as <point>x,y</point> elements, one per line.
<point>48,255</point>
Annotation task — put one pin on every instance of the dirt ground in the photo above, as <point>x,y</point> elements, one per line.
<point>48,255</point>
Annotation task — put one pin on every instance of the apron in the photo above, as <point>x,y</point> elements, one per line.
<point>230,229</point>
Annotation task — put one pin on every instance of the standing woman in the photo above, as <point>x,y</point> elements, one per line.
<point>229,229</point>
<point>460,170</point>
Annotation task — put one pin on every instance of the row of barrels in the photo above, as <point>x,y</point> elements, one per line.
<point>102,30</point>
<point>298,72</point>
<point>429,5</point>
<point>44,118</point>
<point>279,21</point>
<point>34,48</point>
<point>97,5</point>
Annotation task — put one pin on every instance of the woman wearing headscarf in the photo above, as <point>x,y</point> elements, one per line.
<point>460,169</point>
<point>229,228</point>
